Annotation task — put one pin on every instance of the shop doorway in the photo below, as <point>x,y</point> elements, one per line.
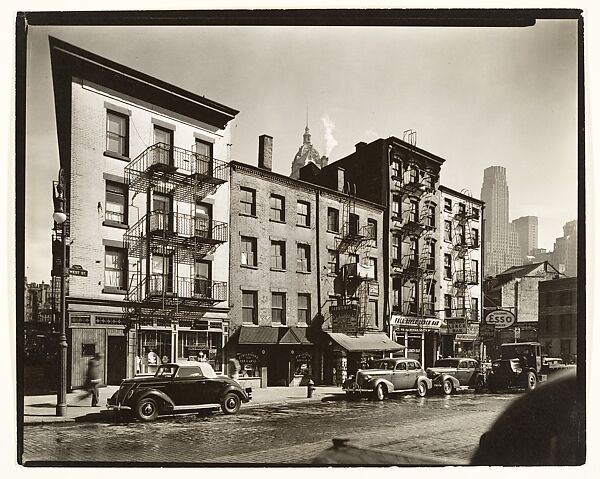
<point>116,360</point>
<point>278,370</point>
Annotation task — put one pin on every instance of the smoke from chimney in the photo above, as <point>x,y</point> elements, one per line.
<point>330,141</point>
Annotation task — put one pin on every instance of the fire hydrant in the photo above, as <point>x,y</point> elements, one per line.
<point>310,387</point>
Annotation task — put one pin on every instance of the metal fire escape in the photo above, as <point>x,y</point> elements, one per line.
<point>164,241</point>
<point>415,227</point>
<point>355,241</point>
<point>463,276</point>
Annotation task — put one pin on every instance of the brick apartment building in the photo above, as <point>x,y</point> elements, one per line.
<point>298,250</point>
<point>461,274</point>
<point>147,216</point>
<point>557,330</point>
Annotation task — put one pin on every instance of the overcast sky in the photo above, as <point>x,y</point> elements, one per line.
<point>476,96</point>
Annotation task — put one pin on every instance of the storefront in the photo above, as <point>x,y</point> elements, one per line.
<point>462,339</point>
<point>420,337</point>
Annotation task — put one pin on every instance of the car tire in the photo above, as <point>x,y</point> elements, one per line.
<point>380,392</point>
<point>146,409</point>
<point>479,384</point>
<point>448,387</point>
<point>421,389</point>
<point>531,381</point>
<point>231,403</point>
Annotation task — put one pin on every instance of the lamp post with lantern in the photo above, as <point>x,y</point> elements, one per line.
<point>60,218</point>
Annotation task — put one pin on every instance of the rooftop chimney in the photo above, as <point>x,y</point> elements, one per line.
<point>265,152</point>
<point>341,179</point>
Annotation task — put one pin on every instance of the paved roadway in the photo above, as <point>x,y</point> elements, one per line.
<point>443,426</point>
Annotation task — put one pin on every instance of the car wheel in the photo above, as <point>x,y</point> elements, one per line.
<point>146,409</point>
<point>531,381</point>
<point>421,389</point>
<point>231,403</point>
<point>479,384</point>
<point>380,392</point>
<point>447,386</point>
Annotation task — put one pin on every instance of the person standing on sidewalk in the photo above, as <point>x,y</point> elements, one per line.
<point>93,379</point>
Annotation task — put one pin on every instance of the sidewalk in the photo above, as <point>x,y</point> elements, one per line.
<point>42,409</point>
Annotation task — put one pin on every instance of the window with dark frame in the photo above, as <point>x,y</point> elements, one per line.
<point>372,224</point>
<point>163,137</point>
<point>278,308</point>
<point>247,201</point>
<point>447,306</point>
<point>447,266</point>
<point>475,270</point>
<point>396,212</point>
<point>447,230</point>
<point>277,208</point>
<point>248,250</point>
<point>448,205</point>
<point>396,168</point>
<point>115,206</point>
<point>249,307</point>
<point>303,258</point>
<point>304,308</point>
<point>117,133</point>
<point>333,261</point>
<point>395,247</point>
<point>333,220</point>
<point>303,213</point>
<point>475,236</point>
<point>115,268</point>
<point>278,254</point>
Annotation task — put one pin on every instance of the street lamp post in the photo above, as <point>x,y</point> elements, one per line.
<point>60,217</point>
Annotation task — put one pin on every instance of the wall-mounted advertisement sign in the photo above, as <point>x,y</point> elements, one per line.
<point>456,325</point>
<point>416,323</point>
<point>500,318</point>
<point>344,319</point>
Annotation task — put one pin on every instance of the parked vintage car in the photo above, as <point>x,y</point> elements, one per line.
<point>388,376</point>
<point>451,374</point>
<point>184,385</point>
<point>520,365</point>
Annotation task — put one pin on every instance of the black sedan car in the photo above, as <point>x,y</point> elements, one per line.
<point>180,386</point>
<point>451,374</point>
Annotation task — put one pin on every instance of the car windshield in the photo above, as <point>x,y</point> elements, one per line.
<point>389,365</point>
<point>165,371</point>
<point>510,351</point>
<point>446,363</point>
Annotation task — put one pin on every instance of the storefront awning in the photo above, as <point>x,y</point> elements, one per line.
<point>368,342</point>
<point>271,335</point>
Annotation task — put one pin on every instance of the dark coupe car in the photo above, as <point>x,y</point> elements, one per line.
<point>456,373</point>
<point>180,386</point>
<point>388,376</point>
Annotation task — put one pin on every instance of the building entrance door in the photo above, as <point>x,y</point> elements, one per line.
<point>277,369</point>
<point>116,360</point>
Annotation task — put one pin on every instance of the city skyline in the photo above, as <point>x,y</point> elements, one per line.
<point>430,91</point>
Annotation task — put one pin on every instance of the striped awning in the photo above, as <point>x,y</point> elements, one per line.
<point>367,342</point>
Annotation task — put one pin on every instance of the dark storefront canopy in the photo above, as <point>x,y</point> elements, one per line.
<point>368,342</point>
<point>269,335</point>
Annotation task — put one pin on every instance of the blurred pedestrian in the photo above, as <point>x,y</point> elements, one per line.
<point>93,379</point>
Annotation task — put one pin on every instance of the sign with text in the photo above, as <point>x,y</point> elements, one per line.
<point>500,318</point>
<point>456,325</point>
<point>467,337</point>
<point>344,319</point>
<point>487,331</point>
<point>416,323</point>
<point>77,270</point>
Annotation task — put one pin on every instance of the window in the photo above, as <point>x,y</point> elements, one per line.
<point>161,280</point>
<point>247,201</point>
<point>461,209</point>
<point>413,250</point>
<point>447,266</point>
<point>278,308</point>
<point>431,216</point>
<point>565,322</point>
<point>203,220</point>
<point>414,211</point>
<point>430,254</point>
<point>373,316</point>
<point>333,261</point>
<point>476,213</point>
<point>447,306</point>
<point>277,208</point>
<point>352,258</point>
<point>353,224</point>
<point>448,205</point>
<point>373,267</point>
<point>447,230</point>
<point>475,237</point>
<point>475,270</point>
<point>202,279</point>
<point>475,308</point>
<point>333,220</point>
<point>163,138</point>
<point>372,224</point>
<point>115,207</point>
<point>249,310</point>
<point>303,258</point>
<point>303,213</point>
<point>117,133</point>
<point>395,298</point>
<point>115,268</point>
<point>460,231</point>
<point>401,367</point>
<point>248,251</point>
<point>395,168</point>
<point>278,254</point>
<point>204,157</point>
<point>304,308</point>
<point>411,365</point>
<point>88,349</point>
<point>395,247</point>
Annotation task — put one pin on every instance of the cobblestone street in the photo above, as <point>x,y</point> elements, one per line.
<point>442,426</point>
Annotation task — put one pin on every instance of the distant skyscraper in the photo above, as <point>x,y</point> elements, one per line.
<point>565,250</point>
<point>307,153</point>
<point>527,230</point>
<point>501,243</point>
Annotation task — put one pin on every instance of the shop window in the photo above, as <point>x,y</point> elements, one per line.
<point>303,258</point>
<point>278,254</point>
<point>247,201</point>
<point>117,133</point>
<point>248,251</point>
<point>277,208</point>
<point>303,213</point>
<point>278,308</point>
<point>115,268</point>
<point>333,220</point>
<point>115,206</point>
<point>304,308</point>
<point>249,307</point>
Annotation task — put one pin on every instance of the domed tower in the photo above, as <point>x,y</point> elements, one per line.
<point>306,153</point>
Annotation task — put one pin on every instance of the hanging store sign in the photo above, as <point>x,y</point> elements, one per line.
<point>467,337</point>
<point>456,325</point>
<point>416,323</point>
<point>344,319</point>
<point>487,331</point>
<point>501,318</point>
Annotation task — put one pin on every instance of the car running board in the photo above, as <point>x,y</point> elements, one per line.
<point>196,406</point>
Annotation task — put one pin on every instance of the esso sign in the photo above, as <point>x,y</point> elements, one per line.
<point>501,318</point>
